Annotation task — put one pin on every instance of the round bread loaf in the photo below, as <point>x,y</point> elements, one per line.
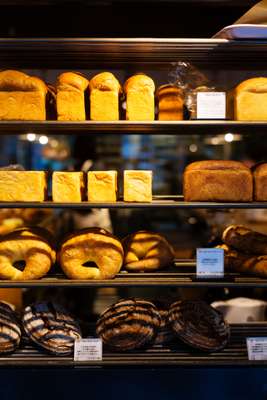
<point>10,333</point>
<point>245,240</point>
<point>128,324</point>
<point>51,327</point>
<point>101,251</point>
<point>147,251</point>
<point>28,248</point>
<point>199,325</point>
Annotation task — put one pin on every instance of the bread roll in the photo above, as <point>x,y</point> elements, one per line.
<point>71,88</point>
<point>23,186</point>
<point>137,186</point>
<point>140,103</point>
<point>68,187</point>
<point>102,186</point>
<point>22,97</point>
<point>170,103</point>
<point>250,100</point>
<point>245,240</point>
<point>217,181</point>
<point>260,182</point>
<point>104,97</point>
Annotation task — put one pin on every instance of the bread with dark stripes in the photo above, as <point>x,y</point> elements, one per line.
<point>51,327</point>
<point>10,332</point>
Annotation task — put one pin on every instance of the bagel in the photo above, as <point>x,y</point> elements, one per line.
<point>101,251</point>
<point>30,246</point>
<point>147,251</point>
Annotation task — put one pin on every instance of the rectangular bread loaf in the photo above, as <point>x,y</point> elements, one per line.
<point>250,100</point>
<point>23,186</point>
<point>68,187</point>
<point>137,186</point>
<point>217,181</point>
<point>102,186</point>
<point>260,182</point>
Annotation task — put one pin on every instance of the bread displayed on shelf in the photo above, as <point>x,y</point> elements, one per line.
<point>147,251</point>
<point>71,90</point>
<point>51,327</point>
<point>217,180</point>
<point>199,325</point>
<point>91,253</point>
<point>26,254</point>
<point>140,103</point>
<point>170,103</point>
<point>102,186</point>
<point>22,97</point>
<point>260,182</point>
<point>245,240</point>
<point>128,324</point>
<point>10,332</point>
<point>165,333</point>
<point>23,186</point>
<point>105,90</point>
<point>68,187</point>
<point>137,186</point>
<point>250,100</point>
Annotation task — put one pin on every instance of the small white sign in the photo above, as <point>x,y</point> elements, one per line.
<point>211,105</point>
<point>257,348</point>
<point>88,350</point>
<point>210,263</point>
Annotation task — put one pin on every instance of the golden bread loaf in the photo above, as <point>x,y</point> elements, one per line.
<point>102,186</point>
<point>140,103</point>
<point>92,253</point>
<point>260,182</point>
<point>68,187</point>
<point>217,181</point>
<point>250,100</point>
<point>71,89</point>
<point>137,186</point>
<point>23,186</point>
<point>22,97</point>
<point>147,251</point>
<point>104,97</point>
<point>170,103</point>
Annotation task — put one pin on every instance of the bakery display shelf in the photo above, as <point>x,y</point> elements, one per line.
<point>176,354</point>
<point>88,52</point>
<point>160,201</point>
<point>188,127</point>
<point>183,274</point>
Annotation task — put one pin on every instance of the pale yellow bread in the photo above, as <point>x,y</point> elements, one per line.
<point>102,186</point>
<point>137,186</point>
<point>68,187</point>
<point>140,103</point>
<point>250,100</point>
<point>23,186</point>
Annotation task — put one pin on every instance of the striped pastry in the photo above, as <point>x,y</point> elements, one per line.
<point>199,325</point>
<point>10,332</point>
<point>128,324</point>
<point>51,327</point>
<point>165,333</point>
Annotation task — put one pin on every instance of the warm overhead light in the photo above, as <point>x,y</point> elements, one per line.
<point>193,148</point>
<point>229,137</point>
<point>31,137</point>
<point>215,140</point>
<point>43,139</point>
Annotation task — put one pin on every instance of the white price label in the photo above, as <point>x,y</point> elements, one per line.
<point>211,105</point>
<point>257,348</point>
<point>88,350</point>
<point>210,263</point>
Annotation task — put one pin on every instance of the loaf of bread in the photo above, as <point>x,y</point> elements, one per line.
<point>68,187</point>
<point>104,97</point>
<point>137,186</point>
<point>245,240</point>
<point>23,186</point>
<point>102,186</point>
<point>217,181</point>
<point>170,103</point>
<point>250,100</point>
<point>260,182</point>
<point>22,97</point>
<point>140,103</point>
<point>71,90</point>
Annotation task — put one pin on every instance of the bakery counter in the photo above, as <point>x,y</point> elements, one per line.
<point>176,354</point>
<point>186,127</point>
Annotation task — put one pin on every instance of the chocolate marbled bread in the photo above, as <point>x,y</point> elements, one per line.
<point>51,327</point>
<point>128,324</point>
<point>199,325</point>
<point>165,333</point>
<point>10,333</point>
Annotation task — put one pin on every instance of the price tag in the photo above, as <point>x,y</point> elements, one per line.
<point>88,350</point>
<point>257,348</point>
<point>210,263</point>
<point>211,105</point>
